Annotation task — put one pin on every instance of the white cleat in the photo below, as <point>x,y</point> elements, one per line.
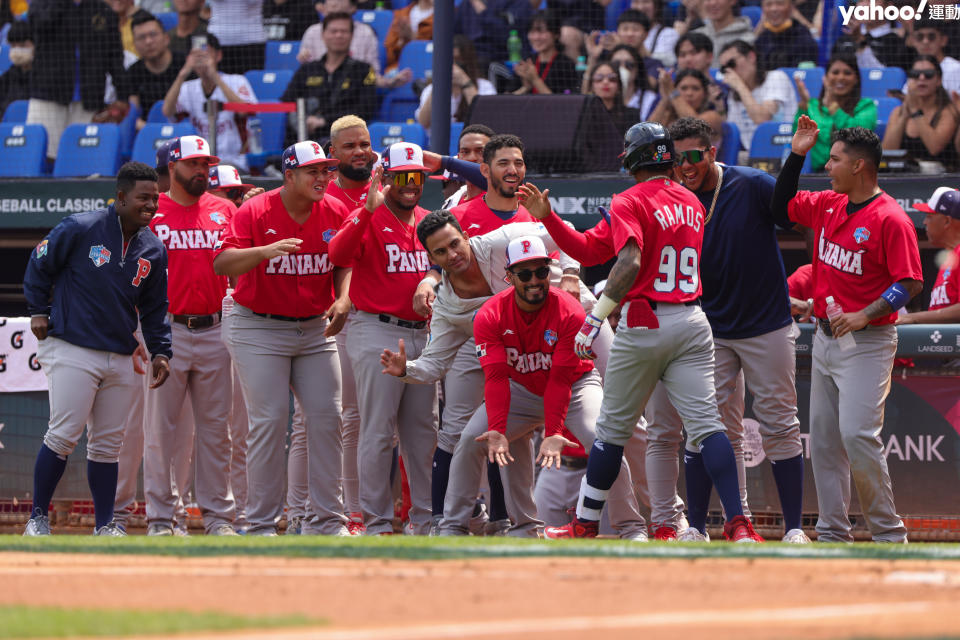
<point>159,529</point>
<point>692,534</point>
<point>110,530</point>
<point>796,536</point>
<point>639,536</point>
<point>224,530</point>
<point>37,526</point>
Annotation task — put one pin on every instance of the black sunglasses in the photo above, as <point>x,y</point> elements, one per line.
<point>929,74</point>
<point>524,275</point>
<point>235,194</point>
<point>693,156</point>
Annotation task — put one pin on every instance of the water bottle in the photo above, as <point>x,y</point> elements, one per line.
<point>255,138</point>
<point>227,304</point>
<point>834,311</point>
<point>379,5</point>
<point>582,65</point>
<point>514,47</point>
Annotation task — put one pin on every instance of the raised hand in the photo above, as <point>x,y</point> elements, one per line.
<point>535,201</point>
<point>583,342</point>
<point>805,137</point>
<point>374,194</point>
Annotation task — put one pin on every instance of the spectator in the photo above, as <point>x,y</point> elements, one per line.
<point>809,13</point>
<point>467,84</point>
<point>242,38</point>
<point>660,40</point>
<point>695,51</point>
<point>125,10</point>
<point>487,23</point>
<point>926,122</point>
<point>577,17</point>
<point>188,98</point>
<point>413,22</point>
<point>363,45</point>
<point>76,45</point>
<point>336,84</point>
<point>633,76</point>
<point>189,24</point>
<point>148,79</point>
<point>689,16</point>
<point>605,83</point>
<point>288,19</point>
<point>722,26</point>
<point>15,81</point>
<point>839,106</point>
<point>687,96</point>
<point>783,41</point>
<point>632,29</point>
<point>875,41</point>
<point>755,95</point>
<point>929,38</point>
<point>548,71</point>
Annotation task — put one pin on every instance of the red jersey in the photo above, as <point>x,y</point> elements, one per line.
<point>300,284</point>
<point>857,256</point>
<point>387,259</point>
<point>666,220</point>
<point>476,218</point>
<point>351,198</point>
<point>535,349</point>
<point>593,246</point>
<point>190,235</point>
<point>800,283</point>
<point>946,289</point>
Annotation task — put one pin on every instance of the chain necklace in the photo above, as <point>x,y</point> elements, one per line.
<point>716,192</point>
<point>349,197</point>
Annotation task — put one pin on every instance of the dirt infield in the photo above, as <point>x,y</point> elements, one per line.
<point>513,598</point>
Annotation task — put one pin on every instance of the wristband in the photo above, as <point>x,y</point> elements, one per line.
<point>896,296</point>
<point>433,283</point>
<point>604,307</point>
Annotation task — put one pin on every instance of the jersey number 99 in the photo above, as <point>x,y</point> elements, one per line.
<point>683,273</point>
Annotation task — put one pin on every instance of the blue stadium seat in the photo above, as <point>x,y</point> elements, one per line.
<point>383,134</point>
<point>455,129</point>
<point>885,107</point>
<point>752,12</point>
<point>812,78</point>
<point>379,19</point>
<point>400,4</point>
<point>282,54</point>
<point>268,86</point>
<point>16,111</point>
<point>730,145</point>
<point>881,128</point>
<point>273,131</point>
<point>24,150</point>
<point>418,56</point>
<point>769,142</point>
<point>399,105</point>
<point>168,20</point>
<point>5,58</point>
<point>614,9</point>
<point>88,149</point>
<point>156,113</point>
<point>671,11</point>
<point>874,83</point>
<point>153,135</point>
<point>128,132</point>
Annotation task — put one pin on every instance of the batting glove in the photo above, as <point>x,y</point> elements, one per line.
<point>583,342</point>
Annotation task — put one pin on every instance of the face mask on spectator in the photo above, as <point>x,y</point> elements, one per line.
<point>21,56</point>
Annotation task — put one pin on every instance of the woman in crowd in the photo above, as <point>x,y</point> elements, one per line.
<point>549,70</point>
<point>660,39</point>
<point>687,95</point>
<point>633,76</point>
<point>926,122</point>
<point>605,83</point>
<point>838,106</point>
<point>467,84</point>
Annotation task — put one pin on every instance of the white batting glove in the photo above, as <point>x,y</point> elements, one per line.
<point>583,342</point>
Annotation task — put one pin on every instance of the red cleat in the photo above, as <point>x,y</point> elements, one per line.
<point>576,529</point>
<point>740,530</point>
<point>664,532</point>
<point>355,525</point>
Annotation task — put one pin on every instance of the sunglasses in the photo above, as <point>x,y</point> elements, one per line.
<point>693,156</point>
<point>729,64</point>
<point>929,74</point>
<point>600,77</point>
<point>404,178</point>
<point>928,36</point>
<point>524,275</point>
<point>235,194</point>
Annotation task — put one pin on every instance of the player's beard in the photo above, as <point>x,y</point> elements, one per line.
<point>534,296</point>
<point>350,172</point>
<point>193,186</point>
<point>505,191</point>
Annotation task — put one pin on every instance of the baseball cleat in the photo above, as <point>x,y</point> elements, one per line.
<point>692,534</point>
<point>740,530</point>
<point>796,536</point>
<point>355,524</point>
<point>224,530</point>
<point>575,529</point>
<point>479,519</point>
<point>37,526</point>
<point>497,528</point>
<point>159,529</point>
<point>637,536</point>
<point>294,526</point>
<point>664,532</point>
<point>111,530</point>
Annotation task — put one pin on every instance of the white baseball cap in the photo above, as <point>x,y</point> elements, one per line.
<point>187,147</point>
<point>304,154</point>
<point>403,156</point>
<point>224,176</point>
<point>945,200</point>
<point>525,248</point>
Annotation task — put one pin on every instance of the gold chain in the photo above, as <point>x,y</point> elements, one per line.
<point>716,192</point>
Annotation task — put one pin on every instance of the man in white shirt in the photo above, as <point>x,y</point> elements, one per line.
<point>189,98</point>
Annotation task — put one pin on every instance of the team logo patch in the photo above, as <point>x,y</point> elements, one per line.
<point>217,217</point>
<point>861,234</point>
<point>218,245</point>
<point>42,248</point>
<point>550,337</point>
<point>328,235</point>
<point>100,255</point>
<point>481,350</point>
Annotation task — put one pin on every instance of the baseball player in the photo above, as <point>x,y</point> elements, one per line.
<point>190,222</point>
<point>289,302</point>
<point>101,270</point>
<point>380,243</point>
<point>867,259</point>
<point>473,138</point>
<point>224,182</point>
<point>663,334</point>
<point>943,230</point>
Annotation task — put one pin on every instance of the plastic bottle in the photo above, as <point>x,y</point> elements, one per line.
<point>379,5</point>
<point>514,47</point>
<point>227,303</point>
<point>255,139</point>
<point>847,341</point>
<point>582,64</point>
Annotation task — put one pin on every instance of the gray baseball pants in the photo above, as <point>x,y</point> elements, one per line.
<point>350,432</point>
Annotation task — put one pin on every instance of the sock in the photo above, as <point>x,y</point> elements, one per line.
<point>603,467</point>
<point>721,465</point>
<point>699,488</point>
<point>102,478</point>
<point>394,465</point>
<point>439,479</point>
<point>789,477</point>
<point>46,475</point>
<point>498,504</point>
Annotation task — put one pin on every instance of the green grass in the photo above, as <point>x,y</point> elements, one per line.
<point>423,548</point>
<point>53,622</point>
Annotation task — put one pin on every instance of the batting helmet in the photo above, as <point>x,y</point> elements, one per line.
<point>647,144</point>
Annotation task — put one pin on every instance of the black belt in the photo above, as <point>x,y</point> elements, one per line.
<point>825,327</point>
<point>273,316</point>
<point>573,462</point>
<point>688,303</point>
<point>406,324</point>
<point>198,322</point>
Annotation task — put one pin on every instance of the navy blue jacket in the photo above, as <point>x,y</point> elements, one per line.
<point>80,277</point>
